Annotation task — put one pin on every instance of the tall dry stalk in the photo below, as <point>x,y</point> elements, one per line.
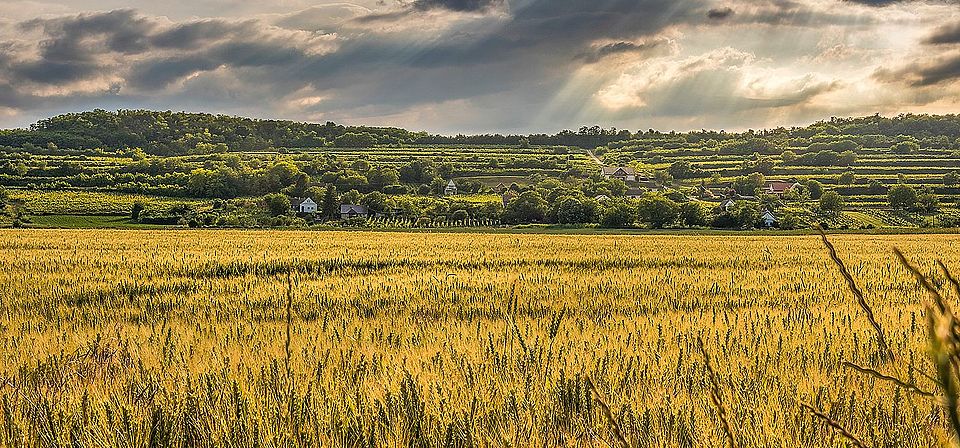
<point>715,396</point>
<point>614,426</point>
<point>858,294</point>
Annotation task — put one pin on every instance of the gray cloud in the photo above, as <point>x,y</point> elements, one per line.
<point>69,38</point>
<point>599,53</point>
<point>152,53</point>
<point>947,34</point>
<point>885,3</point>
<point>941,71</point>
<point>720,13</point>
<point>877,3</point>
<point>458,5</point>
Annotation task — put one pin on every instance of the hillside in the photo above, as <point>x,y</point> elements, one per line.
<point>214,170</point>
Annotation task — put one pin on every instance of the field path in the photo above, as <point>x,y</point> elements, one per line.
<point>594,157</point>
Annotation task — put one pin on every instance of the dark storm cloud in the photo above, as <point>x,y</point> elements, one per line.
<point>158,74</point>
<point>192,35</point>
<point>719,13</point>
<point>457,5</point>
<point>942,71</point>
<point>876,3</point>
<point>597,54</point>
<point>939,71</point>
<point>947,34</point>
<point>885,3</point>
<point>69,38</point>
<point>152,53</point>
<point>54,72</point>
<point>535,48</point>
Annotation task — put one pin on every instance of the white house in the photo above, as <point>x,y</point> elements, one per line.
<point>303,205</point>
<point>348,211</point>
<point>728,205</point>
<point>768,219</point>
<point>623,173</point>
<point>451,189</point>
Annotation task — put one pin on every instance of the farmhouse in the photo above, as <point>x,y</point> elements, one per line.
<point>623,173</point>
<point>728,205</point>
<point>634,193</point>
<point>779,187</point>
<point>348,211</point>
<point>500,188</point>
<point>303,205</point>
<point>768,219</point>
<point>451,189</point>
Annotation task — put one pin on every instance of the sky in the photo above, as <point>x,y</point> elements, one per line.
<point>478,66</point>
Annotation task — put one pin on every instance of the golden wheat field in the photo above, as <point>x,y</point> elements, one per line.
<point>180,338</point>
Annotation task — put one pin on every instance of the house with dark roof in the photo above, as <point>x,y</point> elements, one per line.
<point>623,173</point>
<point>348,211</point>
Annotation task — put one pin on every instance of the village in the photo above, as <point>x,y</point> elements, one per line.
<point>638,186</point>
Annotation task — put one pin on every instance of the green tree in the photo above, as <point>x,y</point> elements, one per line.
<point>383,177</point>
<point>682,169</point>
<point>459,215</point>
<point>376,202</point>
<point>788,157</point>
<point>136,210</point>
<point>831,202</point>
<point>527,208</point>
<point>749,185</point>
<point>277,204</point>
<point>692,214</point>
<point>952,178</point>
<point>330,206</point>
<point>848,158</point>
<point>815,189</point>
<point>927,201</point>
<point>902,197</point>
<point>847,178</point>
<point>657,211</point>
<point>351,197</point>
<point>572,210</point>
<point>282,175</point>
<point>618,215</point>
<point>905,147</point>
<point>663,177</point>
<point>790,221</point>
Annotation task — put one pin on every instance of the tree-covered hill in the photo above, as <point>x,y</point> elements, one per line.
<point>180,133</point>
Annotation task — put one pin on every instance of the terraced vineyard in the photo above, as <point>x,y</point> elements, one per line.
<point>229,178</point>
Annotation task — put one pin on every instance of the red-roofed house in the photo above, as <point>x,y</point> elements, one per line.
<point>779,187</point>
